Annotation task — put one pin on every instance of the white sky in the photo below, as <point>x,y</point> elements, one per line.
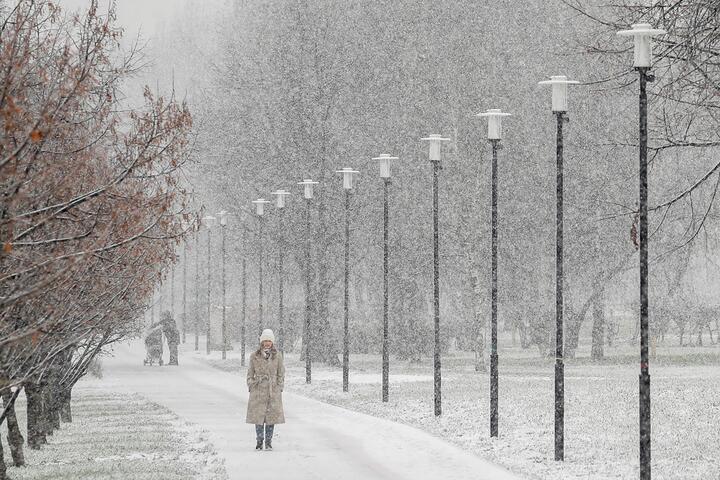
<point>149,19</point>
<point>143,16</point>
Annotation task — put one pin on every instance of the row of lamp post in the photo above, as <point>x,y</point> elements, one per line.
<point>642,34</point>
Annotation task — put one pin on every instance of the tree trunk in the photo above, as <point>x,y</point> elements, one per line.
<point>50,412</point>
<point>15,438</point>
<point>598,330</point>
<point>3,467</point>
<point>36,438</point>
<point>572,332</point>
<point>65,405</point>
<point>478,328</point>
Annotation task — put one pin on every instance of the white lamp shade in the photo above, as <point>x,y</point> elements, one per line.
<point>308,190</point>
<point>559,97</point>
<point>280,200</point>
<point>208,220</point>
<point>494,117</point>
<point>494,128</point>
<point>223,217</point>
<point>642,34</point>
<point>559,85</point>
<point>435,146</point>
<point>347,177</point>
<point>384,160</point>
<point>643,51</point>
<point>260,206</point>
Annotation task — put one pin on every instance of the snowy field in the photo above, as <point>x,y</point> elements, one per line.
<point>601,439</point>
<point>116,436</point>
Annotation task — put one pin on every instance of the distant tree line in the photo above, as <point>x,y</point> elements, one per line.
<point>298,89</point>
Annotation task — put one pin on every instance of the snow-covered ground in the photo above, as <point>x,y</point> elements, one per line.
<point>119,436</point>
<point>319,441</point>
<point>601,439</point>
<point>195,422</point>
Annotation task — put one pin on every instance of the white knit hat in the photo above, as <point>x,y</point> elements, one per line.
<point>267,334</point>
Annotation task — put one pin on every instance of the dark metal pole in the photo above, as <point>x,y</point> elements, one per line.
<point>493,330</point>
<point>224,324</point>
<point>184,322</point>
<point>346,323</point>
<point>559,365</point>
<point>281,285</point>
<point>308,293</point>
<point>260,288</point>
<point>197,289</point>
<point>207,331</point>
<point>385,345</point>
<point>644,307</point>
<point>436,289</point>
<point>244,298</point>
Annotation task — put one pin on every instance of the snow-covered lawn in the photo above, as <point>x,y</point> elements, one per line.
<point>117,436</point>
<point>601,439</point>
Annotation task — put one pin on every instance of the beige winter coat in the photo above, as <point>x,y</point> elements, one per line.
<point>265,380</point>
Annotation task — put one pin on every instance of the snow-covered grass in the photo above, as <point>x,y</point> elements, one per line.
<point>115,436</point>
<point>601,434</point>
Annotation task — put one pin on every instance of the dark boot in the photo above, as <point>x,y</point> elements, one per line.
<point>268,444</point>
<point>259,445</point>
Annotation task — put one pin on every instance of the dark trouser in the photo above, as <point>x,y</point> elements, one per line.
<point>260,436</point>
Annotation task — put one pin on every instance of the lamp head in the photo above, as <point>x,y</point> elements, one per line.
<point>260,206</point>
<point>642,34</point>
<point>435,145</point>
<point>559,92</point>
<point>384,160</point>
<point>308,184</point>
<point>280,200</point>
<point>223,217</point>
<point>348,174</point>
<point>494,117</point>
<point>208,220</point>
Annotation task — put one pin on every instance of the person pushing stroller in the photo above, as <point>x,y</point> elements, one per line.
<point>153,345</point>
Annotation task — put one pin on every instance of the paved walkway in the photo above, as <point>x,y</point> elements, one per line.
<point>319,441</point>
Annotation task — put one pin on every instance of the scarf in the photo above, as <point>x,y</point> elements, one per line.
<point>266,352</point>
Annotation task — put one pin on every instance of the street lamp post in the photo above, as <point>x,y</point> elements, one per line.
<point>223,223</point>
<point>197,286</point>
<point>384,160</point>
<point>260,210</point>
<point>347,186</point>
<point>208,223</point>
<point>559,85</point>
<point>643,34</point>
<point>308,194</point>
<point>494,117</point>
<point>280,204</point>
<point>435,158</point>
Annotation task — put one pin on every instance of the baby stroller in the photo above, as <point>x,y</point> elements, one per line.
<point>153,346</point>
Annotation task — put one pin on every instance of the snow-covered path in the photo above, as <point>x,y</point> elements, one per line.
<point>319,441</point>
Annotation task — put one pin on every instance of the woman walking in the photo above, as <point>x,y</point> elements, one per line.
<point>265,380</point>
